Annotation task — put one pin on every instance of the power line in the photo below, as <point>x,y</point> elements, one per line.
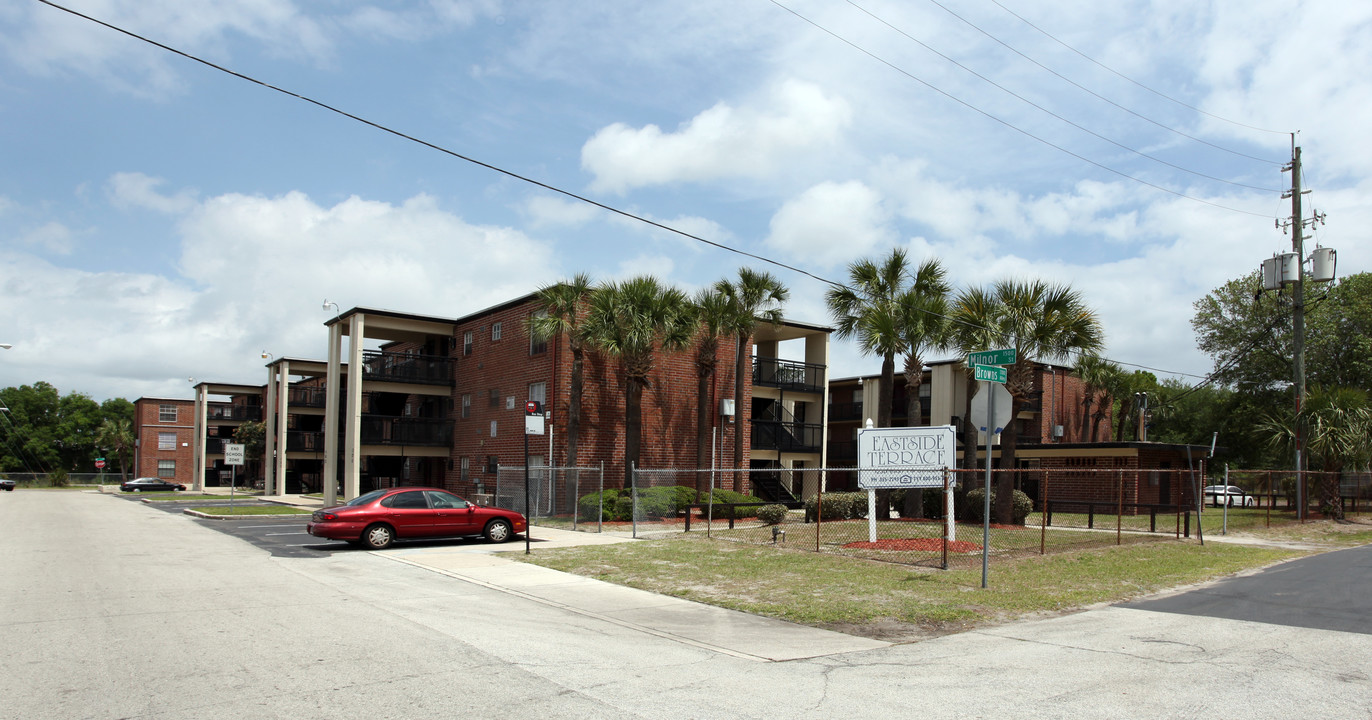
<point>1089,91</point>
<point>1006,123</point>
<point>1136,82</point>
<point>553,188</point>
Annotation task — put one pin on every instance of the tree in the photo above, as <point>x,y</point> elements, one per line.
<point>753,296</point>
<point>1098,378</point>
<point>116,435</point>
<point>712,313</point>
<point>252,435</point>
<point>1041,321</point>
<point>563,306</point>
<point>630,321</point>
<point>1338,425</point>
<point>923,309</point>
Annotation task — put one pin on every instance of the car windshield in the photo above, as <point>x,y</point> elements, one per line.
<point>364,499</point>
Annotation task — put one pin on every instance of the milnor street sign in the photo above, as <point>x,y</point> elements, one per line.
<point>990,373</point>
<point>1004,356</point>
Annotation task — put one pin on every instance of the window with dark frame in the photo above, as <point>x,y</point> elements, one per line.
<point>495,398</point>
<point>467,343</point>
<point>466,406</point>
<point>538,345</point>
<point>496,331</point>
<point>166,413</point>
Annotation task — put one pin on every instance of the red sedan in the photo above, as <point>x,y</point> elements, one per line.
<point>381,517</point>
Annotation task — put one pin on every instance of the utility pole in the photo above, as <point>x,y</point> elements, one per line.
<point>1298,322</point>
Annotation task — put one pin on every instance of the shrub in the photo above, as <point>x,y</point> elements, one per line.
<point>839,506</point>
<point>656,502</point>
<point>58,478</point>
<point>976,502</point>
<point>772,514</point>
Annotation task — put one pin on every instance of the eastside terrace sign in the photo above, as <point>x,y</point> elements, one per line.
<point>905,457</point>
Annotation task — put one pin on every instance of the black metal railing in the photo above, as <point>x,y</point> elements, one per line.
<point>845,411</point>
<point>787,436</point>
<point>215,446</point>
<point>789,375</point>
<point>234,412</point>
<point>407,368</point>
<point>843,452</point>
<point>304,441</point>
<point>312,397</point>
<point>382,430</point>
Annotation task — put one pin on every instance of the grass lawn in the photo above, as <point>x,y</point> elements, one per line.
<point>898,602</point>
<point>184,496</point>
<point>252,509</point>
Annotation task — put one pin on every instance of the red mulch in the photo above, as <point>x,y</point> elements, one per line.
<point>921,544</point>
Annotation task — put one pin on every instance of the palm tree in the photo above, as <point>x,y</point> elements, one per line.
<point>117,436</point>
<point>923,309</point>
<point>972,324</point>
<point>870,309</point>
<point>631,321</point>
<point>1095,373</point>
<point>563,305</point>
<point>753,296</point>
<point>1041,321</point>
<point>1338,426</point>
<point>712,312</point>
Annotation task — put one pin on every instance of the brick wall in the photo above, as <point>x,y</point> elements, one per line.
<point>148,425</point>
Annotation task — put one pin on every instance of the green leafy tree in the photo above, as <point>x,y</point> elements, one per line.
<point>1097,378</point>
<point>752,297</point>
<point>631,321</point>
<point>1042,322</point>
<point>712,313</point>
<point>252,435</point>
<point>563,306</point>
<point>115,435</point>
<point>1338,425</point>
<point>923,309</point>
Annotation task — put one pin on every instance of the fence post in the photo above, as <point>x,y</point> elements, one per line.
<point>633,496</point>
<point>948,515</point>
<point>1119,505</point>
<point>1043,514</point>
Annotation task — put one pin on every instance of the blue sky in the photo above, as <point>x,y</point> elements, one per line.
<point>162,220</point>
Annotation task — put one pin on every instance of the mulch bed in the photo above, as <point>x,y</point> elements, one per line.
<point>919,544</point>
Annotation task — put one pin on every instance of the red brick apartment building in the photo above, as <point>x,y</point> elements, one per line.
<point>164,433</point>
<point>441,401</point>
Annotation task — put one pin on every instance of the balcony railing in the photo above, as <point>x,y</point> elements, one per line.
<point>311,397</point>
<point>788,375</point>
<point>304,441</point>
<point>787,436</point>
<point>215,446</point>
<point>843,452</point>
<point>382,430</point>
<point>406,368</point>
<point>845,411</point>
<point>234,412</point>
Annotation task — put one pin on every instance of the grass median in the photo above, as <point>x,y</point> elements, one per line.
<point>897,602</point>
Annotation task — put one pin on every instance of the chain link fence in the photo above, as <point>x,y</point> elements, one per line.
<point>1281,492</point>
<point>48,480</point>
<point>554,494</point>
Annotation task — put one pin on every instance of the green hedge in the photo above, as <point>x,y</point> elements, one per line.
<point>658,502</point>
<point>976,502</point>
<point>838,506</point>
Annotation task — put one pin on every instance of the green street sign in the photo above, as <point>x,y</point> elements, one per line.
<point>992,357</point>
<point>990,373</point>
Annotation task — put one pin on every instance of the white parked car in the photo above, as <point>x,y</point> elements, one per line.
<point>1230,495</point>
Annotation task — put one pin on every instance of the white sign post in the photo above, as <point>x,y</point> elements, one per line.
<point>984,368</point>
<point>900,458</point>
<point>233,457</point>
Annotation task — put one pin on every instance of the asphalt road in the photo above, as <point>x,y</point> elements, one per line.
<point>112,609</point>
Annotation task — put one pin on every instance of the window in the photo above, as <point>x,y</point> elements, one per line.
<point>166,441</point>
<point>466,406</point>
<point>538,392</point>
<point>466,465</point>
<point>492,463</point>
<point>166,468</point>
<point>538,345</point>
<point>467,343</point>
<point>492,428</point>
<point>495,331</point>
<point>413,500</point>
<point>495,398</point>
<point>166,413</point>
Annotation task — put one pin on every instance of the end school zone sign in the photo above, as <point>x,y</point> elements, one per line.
<point>905,457</point>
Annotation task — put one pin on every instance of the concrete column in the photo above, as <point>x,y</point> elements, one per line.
<point>201,429</point>
<point>331,411</point>
<point>283,394</point>
<point>352,436</point>
<point>269,437</point>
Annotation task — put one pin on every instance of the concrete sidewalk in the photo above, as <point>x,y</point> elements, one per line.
<point>725,631</point>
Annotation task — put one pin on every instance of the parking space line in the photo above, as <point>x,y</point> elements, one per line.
<point>276,534</point>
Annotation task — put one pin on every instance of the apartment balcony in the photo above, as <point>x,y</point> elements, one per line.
<point>839,412</point>
<point>843,453</point>
<point>383,430</point>
<point>233,412</point>
<point>788,375</point>
<point>305,441</point>
<point>215,445</point>
<point>310,397</point>
<point>787,436</point>
<point>406,368</point>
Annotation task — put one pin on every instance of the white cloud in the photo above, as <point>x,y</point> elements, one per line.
<point>52,237</point>
<point>136,190</point>
<point>254,271</point>
<point>546,210</point>
<point>830,224</point>
<point>721,142</point>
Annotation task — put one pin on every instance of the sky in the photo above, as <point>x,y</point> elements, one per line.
<point>161,220</point>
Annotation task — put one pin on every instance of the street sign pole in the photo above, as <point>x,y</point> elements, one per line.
<point>986,490</point>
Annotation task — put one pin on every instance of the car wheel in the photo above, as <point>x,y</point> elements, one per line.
<point>378,536</point>
<point>498,531</point>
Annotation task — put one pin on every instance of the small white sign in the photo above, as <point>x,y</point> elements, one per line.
<point>905,457</point>
<point>233,454</point>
